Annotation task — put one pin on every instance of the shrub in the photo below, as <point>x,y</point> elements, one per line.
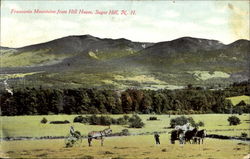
<point>200,124</point>
<point>94,120</point>
<point>233,120</point>
<point>44,121</point>
<point>85,120</point>
<point>114,121</point>
<point>78,119</point>
<point>135,122</point>
<point>244,135</point>
<point>81,119</point>
<point>102,120</point>
<point>121,121</point>
<point>152,118</point>
<point>125,132</point>
<point>105,120</point>
<point>182,120</point>
<point>60,122</point>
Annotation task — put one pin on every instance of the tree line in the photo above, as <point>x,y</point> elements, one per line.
<point>42,101</point>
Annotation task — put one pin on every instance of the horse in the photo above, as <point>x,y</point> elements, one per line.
<point>177,135</point>
<point>185,127</point>
<point>99,135</point>
<point>189,134</point>
<point>199,137</point>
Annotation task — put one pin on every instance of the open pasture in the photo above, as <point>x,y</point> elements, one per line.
<point>237,99</point>
<point>30,126</point>
<point>126,147</point>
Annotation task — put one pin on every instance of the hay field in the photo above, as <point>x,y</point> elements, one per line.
<point>129,147</point>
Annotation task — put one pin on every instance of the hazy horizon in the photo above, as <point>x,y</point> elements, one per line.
<point>122,38</point>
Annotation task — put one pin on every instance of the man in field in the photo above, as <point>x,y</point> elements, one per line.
<point>72,131</point>
<point>157,138</point>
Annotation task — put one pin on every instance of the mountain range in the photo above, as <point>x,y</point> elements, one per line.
<point>88,61</point>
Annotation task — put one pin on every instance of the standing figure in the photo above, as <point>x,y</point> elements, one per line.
<point>182,139</point>
<point>157,138</point>
<point>72,131</point>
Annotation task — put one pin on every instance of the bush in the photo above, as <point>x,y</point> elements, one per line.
<point>152,118</point>
<point>135,122</point>
<point>182,120</point>
<point>200,124</point>
<point>60,122</point>
<point>121,121</point>
<point>125,132</point>
<point>78,119</point>
<point>233,120</point>
<point>105,120</point>
<point>81,119</point>
<point>102,120</point>
<point>244,135</point>
<point>114,121</point>
<point>44,121</point>
<point>94,120</point>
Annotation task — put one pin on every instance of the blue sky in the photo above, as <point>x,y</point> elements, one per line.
<point>154,21</point>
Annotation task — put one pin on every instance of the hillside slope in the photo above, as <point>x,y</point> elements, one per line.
<point>88,61</point>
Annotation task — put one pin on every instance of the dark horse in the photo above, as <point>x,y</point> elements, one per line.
<point>189,134</point>
<point>99,135</point>
<point>199,137</point>
<point>177,135</point>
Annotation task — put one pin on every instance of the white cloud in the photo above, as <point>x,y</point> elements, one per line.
<point>221,8</point>
<point>171,14</point>
<point>216,21</point>
<point>11,6</point>
<point>16,32</point>
<point>152,22</point>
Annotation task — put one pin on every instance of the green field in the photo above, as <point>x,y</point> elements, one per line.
<point>126,147</point>
<point>141,146</point>
<point>30,126</point>
<point>236,100</point>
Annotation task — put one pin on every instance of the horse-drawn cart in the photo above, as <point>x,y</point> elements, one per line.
<point>73,140</point>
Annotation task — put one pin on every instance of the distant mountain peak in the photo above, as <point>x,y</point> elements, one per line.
<point>86,60</point>
<point>193,39</point>
<point>86,36</point>
<point>2,47</point>
<point>240,41</point>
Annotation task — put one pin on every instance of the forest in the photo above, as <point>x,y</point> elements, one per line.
<point>191,100</point>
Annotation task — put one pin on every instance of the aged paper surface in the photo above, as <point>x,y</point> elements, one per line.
<point>124,79</point>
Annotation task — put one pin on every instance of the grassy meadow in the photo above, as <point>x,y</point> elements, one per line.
<point>30,126</point>
<point>129,147</point>
<point>237,99</point>
<point>12,59</point>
